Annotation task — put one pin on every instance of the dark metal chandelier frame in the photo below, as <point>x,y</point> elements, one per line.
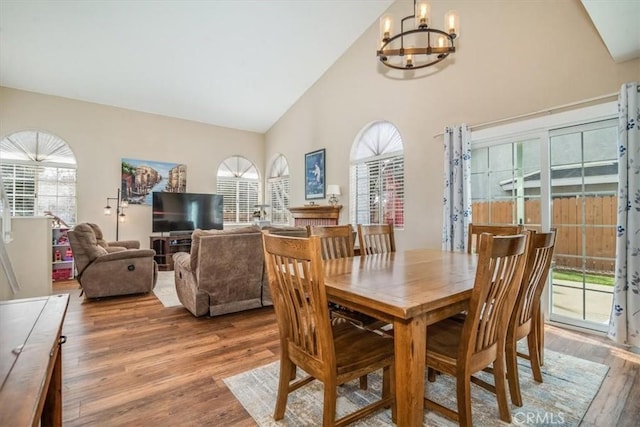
<point>441,52</point>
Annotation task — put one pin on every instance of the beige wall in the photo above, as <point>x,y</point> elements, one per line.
<point>513,57</point>
<point>101,136</point>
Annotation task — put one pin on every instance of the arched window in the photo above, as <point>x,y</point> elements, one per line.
<point>239,183</point>
<point>377,176</point>
<point>39,174</point>
<point>278,188</point>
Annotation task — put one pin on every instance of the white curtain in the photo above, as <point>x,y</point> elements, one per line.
<point>624,326</point>
<point>456,214</point>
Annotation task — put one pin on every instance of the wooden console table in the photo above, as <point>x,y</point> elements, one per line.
<point>166,246</point>
<point>31,361</point>
<point>316,215</point>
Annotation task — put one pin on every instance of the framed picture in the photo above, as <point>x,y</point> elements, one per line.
<point>142,177</point>
<point>314,185</point>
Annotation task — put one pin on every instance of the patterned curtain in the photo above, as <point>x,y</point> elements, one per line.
<point>456,214</point>
<point>624,326</point>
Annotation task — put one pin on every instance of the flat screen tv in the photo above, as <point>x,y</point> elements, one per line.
<point>186,211</point>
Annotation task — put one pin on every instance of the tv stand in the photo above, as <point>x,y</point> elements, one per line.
<point>166,246</point>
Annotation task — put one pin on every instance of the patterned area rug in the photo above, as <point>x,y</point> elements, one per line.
<point>165,289</point>
<point>569,386</point>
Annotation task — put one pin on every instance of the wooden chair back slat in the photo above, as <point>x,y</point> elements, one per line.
<point>475,230</point>
<point>336,240</point>
<point>376,239</point>
<point>541,246</point>
<point>501,263</point>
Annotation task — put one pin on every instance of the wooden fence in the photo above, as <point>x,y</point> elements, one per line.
<point>596,239</point>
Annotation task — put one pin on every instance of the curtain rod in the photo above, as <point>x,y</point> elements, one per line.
<point>540,112</point>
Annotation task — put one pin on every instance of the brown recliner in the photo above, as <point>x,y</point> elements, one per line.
<point>111,268</point>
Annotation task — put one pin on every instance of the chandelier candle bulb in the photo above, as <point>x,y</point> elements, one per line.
<point>423,12</point>
<point>409,63</point>
<point>452,23</point>
<point>386,27</point>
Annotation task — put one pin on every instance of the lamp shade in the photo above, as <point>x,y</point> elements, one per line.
<point>333,189</point>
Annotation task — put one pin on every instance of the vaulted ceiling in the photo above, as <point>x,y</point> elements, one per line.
<point>239,64</point>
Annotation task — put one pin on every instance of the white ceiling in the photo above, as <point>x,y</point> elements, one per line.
<point>618,22</point>
<point>239,64</point>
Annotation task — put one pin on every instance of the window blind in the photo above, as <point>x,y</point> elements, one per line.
<point>32,190</point>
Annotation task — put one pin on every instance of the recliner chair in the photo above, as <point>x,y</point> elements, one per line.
<point>111,268</point>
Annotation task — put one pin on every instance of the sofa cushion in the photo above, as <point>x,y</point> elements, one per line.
<point>98,233</point>
<point>87,248</point>
<point>198,233</point>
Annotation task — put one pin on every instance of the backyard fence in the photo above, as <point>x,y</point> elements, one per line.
<point>586,226</point>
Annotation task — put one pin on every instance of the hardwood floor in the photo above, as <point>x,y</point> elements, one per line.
<point>132,361</point>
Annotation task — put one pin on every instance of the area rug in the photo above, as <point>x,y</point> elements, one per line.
<point>569,386</point>
<point>165,289</point>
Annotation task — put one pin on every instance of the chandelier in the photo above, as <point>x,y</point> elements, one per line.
<point>418,47</point>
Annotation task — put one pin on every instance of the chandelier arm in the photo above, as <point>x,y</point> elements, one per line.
<point>417,67</point>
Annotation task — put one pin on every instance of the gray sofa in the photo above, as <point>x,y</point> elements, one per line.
<point>224,273</point>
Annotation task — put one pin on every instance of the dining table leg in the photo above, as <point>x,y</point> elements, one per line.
<point>410,337</point>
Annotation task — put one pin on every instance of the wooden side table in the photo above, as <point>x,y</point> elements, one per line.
<point>31,360</point>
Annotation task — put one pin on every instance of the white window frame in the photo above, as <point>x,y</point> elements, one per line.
<point>243,208</point>
<point>38,186</point>
<point>540,128</point>
<point>279,190</point>
<point>360,194</point>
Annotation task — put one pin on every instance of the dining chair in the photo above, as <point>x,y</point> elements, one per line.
<point>475,230</point>
<point>524,319</point>
<point>333,354</point>
<point>336,241</point>
<point>461,349</point>
<point>376,239</point>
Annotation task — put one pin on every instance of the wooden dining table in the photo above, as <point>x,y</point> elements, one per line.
<point>410,290</point>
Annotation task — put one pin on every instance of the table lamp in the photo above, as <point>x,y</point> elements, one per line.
<point>333,190</point>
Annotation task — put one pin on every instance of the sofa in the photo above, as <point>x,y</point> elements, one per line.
<point>224,273</point>
<point>108,269</point>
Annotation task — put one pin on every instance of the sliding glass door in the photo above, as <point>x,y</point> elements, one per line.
<point>584,173</point>
<point>564,178</point>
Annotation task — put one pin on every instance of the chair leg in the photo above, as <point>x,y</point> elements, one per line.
<point>364,384</point>
<point>501,391</point>
<point>512,373</point>
<point>538,326</point>
<point>286,369</point>
<point>534,357</point>
<point>389,388</point>
<point>329,406</point>
<point>463,395</point>
<point>431,375</point>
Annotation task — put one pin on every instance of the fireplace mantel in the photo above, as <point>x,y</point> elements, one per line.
<point>316,215</point>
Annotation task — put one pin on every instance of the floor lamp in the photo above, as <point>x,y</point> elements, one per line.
<point>120,206</point>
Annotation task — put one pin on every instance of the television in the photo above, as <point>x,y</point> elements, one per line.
<point>183,212</point>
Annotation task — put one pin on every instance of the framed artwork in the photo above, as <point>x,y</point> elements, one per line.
<point>314,185</point>
<point>140,178</point>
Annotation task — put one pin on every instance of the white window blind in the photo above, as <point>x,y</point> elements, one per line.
<point>377,177</point>
<point>39,174</point>
<point>32,190</point>
<point>239,185</point>
<point>279,190</point>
